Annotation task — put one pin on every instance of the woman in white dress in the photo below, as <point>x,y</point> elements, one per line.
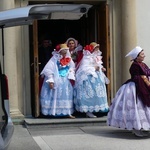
<point>90,88</point>
<point>56,95</point>
<point>130,108</point>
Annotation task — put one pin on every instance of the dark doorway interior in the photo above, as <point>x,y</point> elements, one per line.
<point>58,31</point>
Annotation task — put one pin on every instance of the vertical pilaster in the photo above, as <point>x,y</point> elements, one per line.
<point>10,60</point>
<point>128,33</point>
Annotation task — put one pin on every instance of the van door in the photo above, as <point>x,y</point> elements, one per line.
<point>3,114</point>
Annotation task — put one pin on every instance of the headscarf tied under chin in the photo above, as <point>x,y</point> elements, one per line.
<point>72,39</point>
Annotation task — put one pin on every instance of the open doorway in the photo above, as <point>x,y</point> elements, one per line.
<point>91,27</point>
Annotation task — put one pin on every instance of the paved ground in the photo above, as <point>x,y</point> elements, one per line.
<point>76,138</point>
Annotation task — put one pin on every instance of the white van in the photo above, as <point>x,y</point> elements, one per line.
<point>6,125</point>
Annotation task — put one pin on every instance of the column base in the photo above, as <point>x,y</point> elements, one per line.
<point>17,117</point>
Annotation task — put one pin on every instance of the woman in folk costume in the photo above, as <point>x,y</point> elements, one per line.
<point>75,49</point>
<point>130,109</point>
<point>57,92</point>
<point>90,82</point>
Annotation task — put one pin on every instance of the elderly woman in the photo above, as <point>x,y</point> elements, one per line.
<point>91,96</point>
<point>130,109</point>
<point>75,49</point>
<point>56,95</point>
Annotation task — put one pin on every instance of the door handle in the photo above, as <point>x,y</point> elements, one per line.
<point>33,64</point>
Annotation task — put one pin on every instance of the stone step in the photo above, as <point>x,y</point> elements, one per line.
<point>63,122</point>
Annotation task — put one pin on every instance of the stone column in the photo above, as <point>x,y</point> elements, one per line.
<point>10,61</point>
<point>128,34</point>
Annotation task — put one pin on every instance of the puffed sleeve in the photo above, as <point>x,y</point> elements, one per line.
<point>49,71</point>
<point>71,74</point>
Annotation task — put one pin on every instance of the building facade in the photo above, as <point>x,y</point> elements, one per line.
<point>118,25</point>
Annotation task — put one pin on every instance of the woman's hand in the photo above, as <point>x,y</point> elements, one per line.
<point>143,77</point>
<point>96,68</point>
<point>103,69</point>
<point>51,85</point>
<point>145,80</point>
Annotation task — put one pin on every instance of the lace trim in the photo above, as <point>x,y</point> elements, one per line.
<point>62,111</point>
<point>103,108</point>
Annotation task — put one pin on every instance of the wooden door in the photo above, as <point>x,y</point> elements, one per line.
<point>35,72</point>
<point>104,40</point>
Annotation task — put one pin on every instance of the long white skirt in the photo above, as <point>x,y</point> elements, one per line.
<point>91,96</point>
<point>57,102</point>
<point>127,110</point>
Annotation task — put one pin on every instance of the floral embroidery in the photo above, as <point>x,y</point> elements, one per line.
<point>89,48</point>
<point>65,61</point>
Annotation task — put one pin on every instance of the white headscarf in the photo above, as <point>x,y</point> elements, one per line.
<point>72,39</point>
<point>134,52</point>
